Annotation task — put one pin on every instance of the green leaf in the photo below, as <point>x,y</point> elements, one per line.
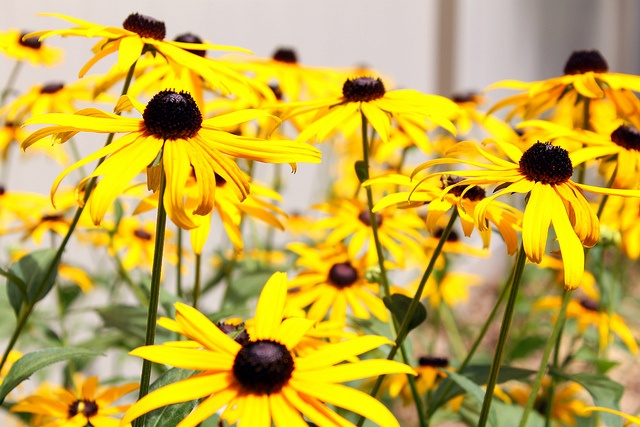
<point>605,392</point>
<point>24,367</point>
<point>399,304</point>
<point>170,415</point>
<point>526,346</point>
<point>474,391</point>
<point>247,286</point>
<point>31,284</point>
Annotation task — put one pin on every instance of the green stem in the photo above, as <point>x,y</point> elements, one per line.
<point>403,331</point>
<point>196,285</point>
<point>435,404</point>
<point>384,282</point>
<point>154,291</point>
<point>545,358</point>
<point>452,331</point>
<point>137,290</point>
<point>10,82</point>
<point>23,316</point>
<point>502,338</point>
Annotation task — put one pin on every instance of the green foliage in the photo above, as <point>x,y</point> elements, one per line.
<point>31,278</point>
<point>399,304</point>
<point>170,415</point>
<point>24,367</point>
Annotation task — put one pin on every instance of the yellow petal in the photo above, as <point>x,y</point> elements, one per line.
<point>335,353</point>
<point>570,246</point>
<point>270,307</point>
<point>209,406</point>
<point>355,371</point>
<point>537,217</point>
<point>186,358</point>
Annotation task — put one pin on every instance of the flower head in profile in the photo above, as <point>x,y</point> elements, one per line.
<point>139,34</point>
<point>368,95</point>
<point>543,172</point>
<point>171,124</point>
<point>15,45</point>
<point>262,381</point>
<point>586,79</point>
<point>86,404</point>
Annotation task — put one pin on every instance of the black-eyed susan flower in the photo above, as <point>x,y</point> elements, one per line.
<point>171,124</point>
<point>19,207</point>
<point>616,143</point>
<point>141,33</point>
<point>333,283</point>
<point>505,218</point>
<point>230,210</point>
<point>369,96</point>
<point>622,216</point>
<point>15,45</point>
<point>262,381</point>
<point>398,230</point>
<point>586,79</point>
<point>568,404</point>
<point>543,172</point>
<point>430,372</point>
<point>587,312</point>
<point>87,404</point>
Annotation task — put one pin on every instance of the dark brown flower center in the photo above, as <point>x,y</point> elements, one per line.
<point>286,55</point>
<point>88,408</point>
<point>342,275</point>
<point>363,89</point>
<point>277,91</point>
<point>220,181</point>
<point>461,98</point>
<point>589,304</point>
<point>365,218</point>
<point>474,193</point>
<point>171,115</point>
<point>239,332</point>
<point>436,362</point>
<point>51,87</point>
<point>145,26</point>
<point>452,237</point>
<point>263,366</point>
<point>546,163</point>
<point>583,61</point>
<point>3,190</point>
<point>31,42</point>
<point>627,137</point>
<point>52,217</point>
<point>142,234</point>
<point>192,38</point>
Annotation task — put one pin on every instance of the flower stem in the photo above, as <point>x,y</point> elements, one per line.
<point>403,330</point>
<point>196,284</point>
<point>154,291</point>
<point>10,82</point>
<point>502,338</point>
<point>545,357</point>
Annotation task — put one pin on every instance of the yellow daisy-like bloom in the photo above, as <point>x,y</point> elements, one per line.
<point>19,206</point>
<point>587,313</point>
<point>567,401</point>
<point>369,96</point>
<point>333,282</point>
<point>349,218</point>
<point>15,45</point>
<point>429,375</point>
<point>86,405</point>
<point>616,143</point>
<point>452,289</point>
<point>586,77</point>
<point>140,33</point>
<point>470,116</point>
<point>503,217</point>
<point>171,124</point>
<point>544,173</point>
<point>262,381</point>
<point>623,216</point>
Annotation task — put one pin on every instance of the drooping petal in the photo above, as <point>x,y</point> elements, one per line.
<point>209,406</point>
<point>570,246</point>
<point>537,217</point>
<point>199,328</point>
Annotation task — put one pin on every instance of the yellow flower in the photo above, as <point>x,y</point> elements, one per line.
<point>505,218</point>
<point>544,173</point>
<point>369,96</point>
<point>19,206</point>
<point>230,210</point>
<point>587,312</point>
<point>567,401</point>
<point>263,381</point>
<point>470,116</point>
<point>397,229</point>
<point>586,77</point>
<point>171,124</point>
<point>333,282</point>
<point>616,143</point>
<point>142,33</point>
<point>15,45</point>
<point>87,404</point>
<point>630,418</point>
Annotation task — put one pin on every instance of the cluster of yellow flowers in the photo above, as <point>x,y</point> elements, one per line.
<point>182,140</point>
